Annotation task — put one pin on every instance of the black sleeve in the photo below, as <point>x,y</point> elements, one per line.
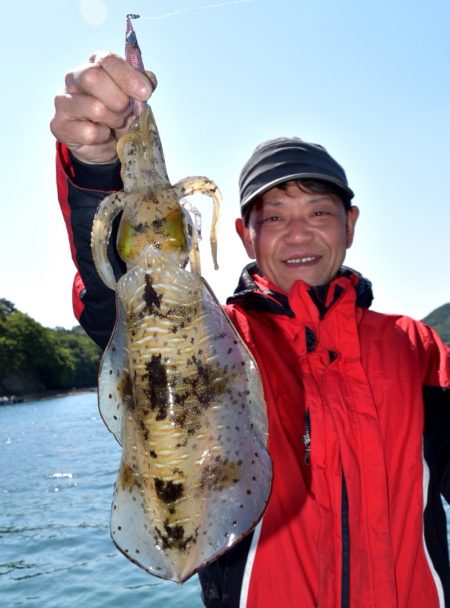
<point>81,188</point>
<point>437,457</point>
<point>99,310</point>
<point>221,581</point>
<point>437,436</point>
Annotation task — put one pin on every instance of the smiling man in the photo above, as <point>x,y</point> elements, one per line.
<point>357,401</point>
<point>297,217</point>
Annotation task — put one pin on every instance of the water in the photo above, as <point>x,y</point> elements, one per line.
<point>58,464</point>
<point>57,470</point>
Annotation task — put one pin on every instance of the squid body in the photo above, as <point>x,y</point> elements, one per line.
<point>177,386</point>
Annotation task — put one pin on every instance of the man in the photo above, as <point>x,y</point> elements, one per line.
<point>357,401</point>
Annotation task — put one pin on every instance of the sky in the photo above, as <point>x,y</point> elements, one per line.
<point>367,80</point>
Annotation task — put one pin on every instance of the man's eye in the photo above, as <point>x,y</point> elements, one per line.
<point>321,213</point>
<point>271,218</point>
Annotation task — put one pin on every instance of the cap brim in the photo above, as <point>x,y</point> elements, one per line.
<point>349,194</point>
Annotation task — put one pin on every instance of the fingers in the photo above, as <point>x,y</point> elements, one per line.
<point>87,127</point>
<point>108,78</point>
<point>94,111</point>
<point>100,154</point>
<point>79,107</point>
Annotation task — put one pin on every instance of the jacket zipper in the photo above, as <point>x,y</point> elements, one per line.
<point>345,528</point>
<point>306,439</point>
<point>345,572</point>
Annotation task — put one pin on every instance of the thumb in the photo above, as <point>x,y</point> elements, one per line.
<point>153,81</point>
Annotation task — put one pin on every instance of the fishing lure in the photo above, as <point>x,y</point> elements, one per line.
<point>177,386</point>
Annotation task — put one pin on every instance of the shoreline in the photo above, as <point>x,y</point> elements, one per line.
<point>44,394</point>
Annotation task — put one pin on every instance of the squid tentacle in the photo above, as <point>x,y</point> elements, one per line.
<point>108,210</point>
<point>203,185</point>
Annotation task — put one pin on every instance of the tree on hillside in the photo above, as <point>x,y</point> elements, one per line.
<point>54,358</point>
<point>439,319</point>
<point>86,355</point>
<point>6,307</point>
<point>26,345</point>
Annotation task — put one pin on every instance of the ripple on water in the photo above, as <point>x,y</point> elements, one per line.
<point>56,547</point>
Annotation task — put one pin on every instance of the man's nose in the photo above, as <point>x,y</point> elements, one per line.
<point>297,231</point>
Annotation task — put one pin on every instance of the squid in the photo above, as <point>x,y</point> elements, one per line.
<point>177,386</point>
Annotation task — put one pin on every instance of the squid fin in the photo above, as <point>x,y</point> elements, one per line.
<point>114,382</point>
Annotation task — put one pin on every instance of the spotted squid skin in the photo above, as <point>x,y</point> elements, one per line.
<point>151,211</point>
<point>177,386</point>
<point>184,398</point>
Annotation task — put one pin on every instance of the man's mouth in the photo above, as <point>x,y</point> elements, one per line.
<point>302,260</point>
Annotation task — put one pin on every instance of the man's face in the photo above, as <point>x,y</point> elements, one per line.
<point>295,235</point>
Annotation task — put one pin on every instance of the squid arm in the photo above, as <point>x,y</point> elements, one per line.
<point>107,211</point>
<point>203,185</point>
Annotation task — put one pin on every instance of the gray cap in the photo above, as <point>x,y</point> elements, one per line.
<point>288,158</point>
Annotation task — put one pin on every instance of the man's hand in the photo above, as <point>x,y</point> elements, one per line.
<point>94,110</point>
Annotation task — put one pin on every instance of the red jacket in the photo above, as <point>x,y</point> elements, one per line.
<point>344,525</point>
<point>359,424</point>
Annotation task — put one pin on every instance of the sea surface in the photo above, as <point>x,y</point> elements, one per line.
<point>58,464</point>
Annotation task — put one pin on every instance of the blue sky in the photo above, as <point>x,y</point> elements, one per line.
<point>367,80</point>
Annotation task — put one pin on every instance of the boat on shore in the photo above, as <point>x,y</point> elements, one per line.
<point>10,399</point>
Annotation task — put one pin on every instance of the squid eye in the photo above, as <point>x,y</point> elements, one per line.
<point>189,228</point>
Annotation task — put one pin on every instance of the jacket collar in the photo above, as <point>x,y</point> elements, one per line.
<point>250,295</point>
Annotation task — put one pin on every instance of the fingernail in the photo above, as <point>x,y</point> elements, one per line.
<point>153,80</point>
<point>143,91</point>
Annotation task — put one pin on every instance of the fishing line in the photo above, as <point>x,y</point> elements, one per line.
<point>195,8</point>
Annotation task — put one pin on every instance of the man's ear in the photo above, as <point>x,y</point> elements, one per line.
<point>352,217</point>
<point>244,234</point>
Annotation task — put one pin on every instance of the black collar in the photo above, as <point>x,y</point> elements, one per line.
<point>248,295</point>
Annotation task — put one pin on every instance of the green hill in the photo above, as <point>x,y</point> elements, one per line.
<point>439,320</point>
<point>35,359</point>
